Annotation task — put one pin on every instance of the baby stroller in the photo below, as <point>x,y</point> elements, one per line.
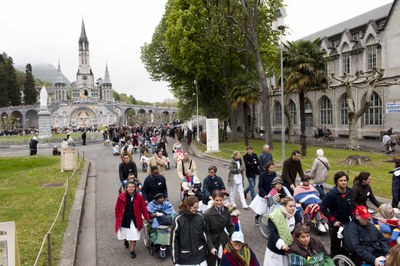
<point>328,135</point>
<point>178,156</point>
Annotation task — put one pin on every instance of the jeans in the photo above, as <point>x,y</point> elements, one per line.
<point>320,189</point>
<point>252,184</point>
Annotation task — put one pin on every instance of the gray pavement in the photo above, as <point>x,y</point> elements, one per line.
<point>97,240</point>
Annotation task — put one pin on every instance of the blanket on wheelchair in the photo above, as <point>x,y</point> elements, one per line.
<point>165,208</point>
<point>316,260</point>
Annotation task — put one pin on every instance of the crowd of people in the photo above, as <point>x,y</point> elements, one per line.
<point>205,228</point>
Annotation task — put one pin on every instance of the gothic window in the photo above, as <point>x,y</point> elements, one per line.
<point>373,116</point>
<point>277,114</point>
<point>371,56</point>
<point>344,119</point>
<point>326,111</point>
<point>346,63</point>
<point>292,110</point>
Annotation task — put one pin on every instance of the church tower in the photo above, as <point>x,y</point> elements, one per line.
<point>60,86</point>
<point>106,87</point>
<point>84,88</point>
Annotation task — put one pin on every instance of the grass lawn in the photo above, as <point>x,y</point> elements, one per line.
<point>33,207</point>
<point>381,183</point>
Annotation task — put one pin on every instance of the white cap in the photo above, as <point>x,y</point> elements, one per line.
<point>238,236</point>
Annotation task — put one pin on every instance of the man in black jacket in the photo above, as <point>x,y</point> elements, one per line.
<point>251,164</point>
<point>291,167</point>
<point>210,183</point>
<point>365,242</point>
<point>337,206</point>
<point>153,184</point>
<point>127,166</point>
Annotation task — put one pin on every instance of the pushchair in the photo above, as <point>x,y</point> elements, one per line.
<point>327,135</point>
<point>178,156</point>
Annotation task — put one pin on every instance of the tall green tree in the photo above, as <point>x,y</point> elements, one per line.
<point>246,93</point>
<point>30,94</point>
<point>305,69</point>
<point>14,93</point>
<point>4,100</point>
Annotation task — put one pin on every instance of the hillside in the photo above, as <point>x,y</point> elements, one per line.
<point>44,72</point>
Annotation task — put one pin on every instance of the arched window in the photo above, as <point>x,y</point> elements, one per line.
<point>344,118</point>
<point>292,110</point>
<point>326,111</point>
<point>373,116</point>
<point>277,114</point>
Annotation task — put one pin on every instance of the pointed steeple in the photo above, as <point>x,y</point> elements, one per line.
<point>106,79</point>
<point>60,77</point>
<point>83,40</point>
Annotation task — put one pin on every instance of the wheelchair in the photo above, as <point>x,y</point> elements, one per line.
<point>157,240</point>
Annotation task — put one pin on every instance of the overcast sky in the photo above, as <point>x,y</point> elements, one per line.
<point>46,31</point>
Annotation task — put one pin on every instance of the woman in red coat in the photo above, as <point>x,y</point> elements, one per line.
<point>128,217</point>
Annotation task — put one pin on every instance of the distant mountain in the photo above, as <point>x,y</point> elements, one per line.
<point>44,72</point>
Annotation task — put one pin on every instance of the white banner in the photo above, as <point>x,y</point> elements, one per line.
<point>212,135</point>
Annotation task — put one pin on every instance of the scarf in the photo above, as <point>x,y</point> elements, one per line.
<point>220,210</point>
<point>279,220</point>
<point>242,258</point>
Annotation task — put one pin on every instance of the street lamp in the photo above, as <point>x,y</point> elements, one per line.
<point>279,25</point>
<point>197,112</point>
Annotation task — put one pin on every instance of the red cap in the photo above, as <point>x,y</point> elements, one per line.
<point>362,211</point>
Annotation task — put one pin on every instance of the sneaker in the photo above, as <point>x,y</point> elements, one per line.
<point>321,228</point>
<point>245,207</point>
<point>126,243</point>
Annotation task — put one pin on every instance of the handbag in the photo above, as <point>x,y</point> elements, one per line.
<point>165,219</point>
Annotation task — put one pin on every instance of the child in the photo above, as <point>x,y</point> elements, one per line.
<point>131,177</point>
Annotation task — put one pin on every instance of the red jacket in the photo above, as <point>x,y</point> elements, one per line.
<point>139,208</point>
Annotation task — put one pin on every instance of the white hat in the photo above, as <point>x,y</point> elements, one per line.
<point>238,236</point>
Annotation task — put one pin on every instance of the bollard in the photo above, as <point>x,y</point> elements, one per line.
<point>48,250</point>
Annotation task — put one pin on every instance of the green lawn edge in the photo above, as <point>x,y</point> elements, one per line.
<point>379,164</point>
<point>23,199</point>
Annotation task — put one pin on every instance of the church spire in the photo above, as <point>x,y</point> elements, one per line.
<point>107,79</point>
<point>60,76</point>
<point>83,40</point>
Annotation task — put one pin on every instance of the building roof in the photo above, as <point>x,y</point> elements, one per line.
<point>375,14</point>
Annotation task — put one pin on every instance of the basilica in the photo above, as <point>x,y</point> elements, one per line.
<point>87,102</point>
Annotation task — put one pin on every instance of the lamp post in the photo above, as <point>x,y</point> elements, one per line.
<point>197,112</point>
<point>279,25</point>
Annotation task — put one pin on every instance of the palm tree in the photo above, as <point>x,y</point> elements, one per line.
<point>304,65</point>
<point>245,93</point>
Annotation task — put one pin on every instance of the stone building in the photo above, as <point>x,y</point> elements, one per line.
<point>371,40</point>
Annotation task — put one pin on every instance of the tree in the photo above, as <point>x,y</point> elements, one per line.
<point>247,92</point>
<point>359,80</point>
<point>30,94</point>
<point>256,28</point>
<point>4,101</point>
<point>304,65</point>
<point>14,94</point>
